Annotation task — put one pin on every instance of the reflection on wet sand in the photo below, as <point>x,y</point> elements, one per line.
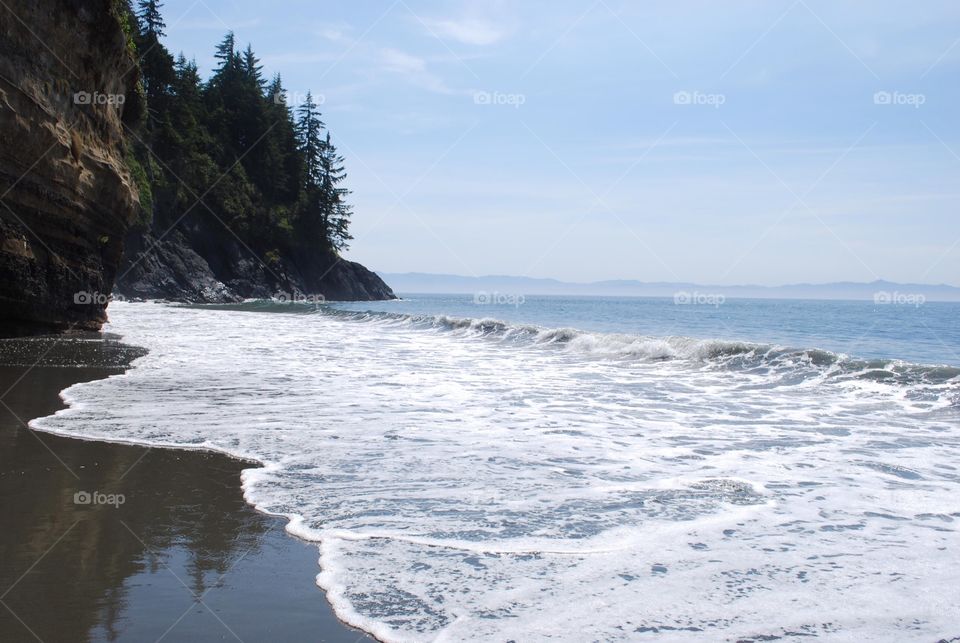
<point>119,542</point>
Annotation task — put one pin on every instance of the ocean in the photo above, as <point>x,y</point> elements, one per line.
<point>498,467</point>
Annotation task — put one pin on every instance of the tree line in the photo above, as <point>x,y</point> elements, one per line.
<point>231,148</point>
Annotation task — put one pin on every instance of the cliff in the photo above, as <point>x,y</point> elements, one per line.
<point>92,193</point>
<point>67,84</point>
<point>195,264</point>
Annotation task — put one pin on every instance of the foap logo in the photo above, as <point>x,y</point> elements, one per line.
<point>899,98</point>
<point>91,498</point>
<point>699,98</point>
<point>297,297</point>
<point>96,98</point>
<point>87,298</point>
<point>884,298</point>
<point>684,298</point>
<point>499,98</point>
<point>484,298</point>
<point>293,99</point>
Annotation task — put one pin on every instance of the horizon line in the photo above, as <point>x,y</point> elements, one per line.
<point>634,281</point>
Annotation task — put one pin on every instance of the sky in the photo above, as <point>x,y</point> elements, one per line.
<point>752,141</point>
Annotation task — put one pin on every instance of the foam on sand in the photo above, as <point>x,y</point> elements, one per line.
<point>472,480</point>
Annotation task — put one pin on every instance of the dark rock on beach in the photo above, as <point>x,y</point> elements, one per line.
<point>198,266</point>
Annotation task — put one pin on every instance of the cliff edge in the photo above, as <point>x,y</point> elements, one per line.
<point>67,84</point>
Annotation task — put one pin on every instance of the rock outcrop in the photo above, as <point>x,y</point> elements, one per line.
<point>68,82</point>
<point>190,265</point>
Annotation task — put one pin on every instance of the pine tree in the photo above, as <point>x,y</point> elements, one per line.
<point>225,103</point>
<point>151,19</point>
<point>340,226</point>
<point>188,84</point>
<point>226,53</point>
<point>252,68</point>
<point>309,132</point>
<point>336,213</point>
<point>186,114</point>
<point>276,93</point>
<point>331,166</point>
<point>288,179</point>
<point>326,214</point>
<point>156,63</point>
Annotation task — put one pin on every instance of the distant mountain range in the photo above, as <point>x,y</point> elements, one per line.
<point>879,291</point>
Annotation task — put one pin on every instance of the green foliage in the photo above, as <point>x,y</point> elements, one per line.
<point>124,14</point>
<point>135,99</point>
<point>228,151</point>
<point>143,186</point>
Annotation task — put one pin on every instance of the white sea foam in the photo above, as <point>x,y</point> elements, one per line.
<point>473,481</point>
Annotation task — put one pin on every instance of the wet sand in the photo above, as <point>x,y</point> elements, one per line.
<point>182,558</point>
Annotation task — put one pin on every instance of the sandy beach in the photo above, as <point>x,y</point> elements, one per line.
<point>123,543</point>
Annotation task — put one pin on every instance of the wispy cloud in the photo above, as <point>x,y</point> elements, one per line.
<point>402,62</point>
<point>339,32</point>
<point>469,31</point>
<point>414,70</point>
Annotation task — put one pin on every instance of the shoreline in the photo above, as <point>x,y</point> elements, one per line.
<point>179,554</point>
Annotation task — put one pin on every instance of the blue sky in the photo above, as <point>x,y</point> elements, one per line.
<point>762,142</point>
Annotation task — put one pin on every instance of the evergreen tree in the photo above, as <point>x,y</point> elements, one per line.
<point>276,93</point>
<point>188,85</point>
<point>339,233</point>
<point>252,68</point>
<point>151,19</point>
<point>186,134</point>
<point>224,99</point>
<point>336,213</point>
<point>284,198</point>
<point>156,63</point>
<point>288,178</point>
<point>226,53</point>
<point>310,132</point>
<point>313,216</point>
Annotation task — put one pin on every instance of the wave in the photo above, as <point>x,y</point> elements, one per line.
<point>781,364</point>
<point>741,355</point>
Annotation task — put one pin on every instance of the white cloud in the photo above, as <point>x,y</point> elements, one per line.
<point>468,31</point>
<point>402,62</point>
<point>335,32</point>
<point>414,70</point>
<point>334,35</point>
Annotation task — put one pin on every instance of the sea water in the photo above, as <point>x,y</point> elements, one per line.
<point>578,469</point>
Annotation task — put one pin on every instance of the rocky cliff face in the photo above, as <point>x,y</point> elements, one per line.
<point>67,82</point>
<point>191,264</point>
